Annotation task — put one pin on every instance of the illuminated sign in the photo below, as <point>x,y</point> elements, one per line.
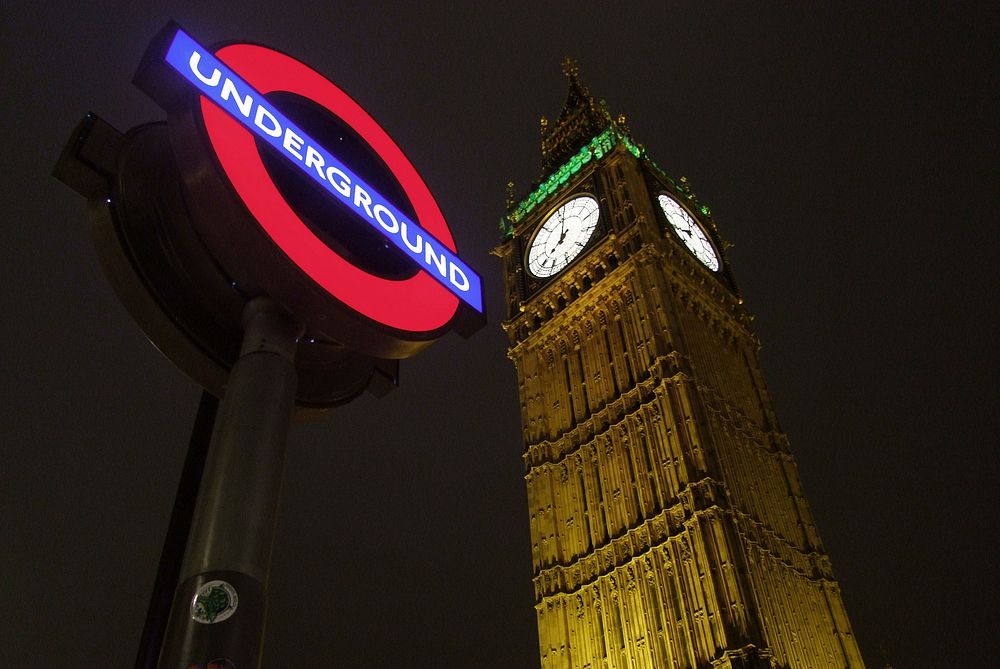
<point>235,103</point>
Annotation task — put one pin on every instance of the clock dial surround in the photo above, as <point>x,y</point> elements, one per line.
<point>689,232</point>
<point>563,236</point>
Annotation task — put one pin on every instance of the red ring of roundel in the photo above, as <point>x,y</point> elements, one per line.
<point>417,304</point>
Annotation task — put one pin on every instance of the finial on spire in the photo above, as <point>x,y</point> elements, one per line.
<point>570,68</point>
<point>511,201</point>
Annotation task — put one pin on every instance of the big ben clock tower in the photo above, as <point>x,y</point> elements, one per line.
<point>668,525</point>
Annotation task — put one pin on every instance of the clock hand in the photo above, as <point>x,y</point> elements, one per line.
<point>559,243</point>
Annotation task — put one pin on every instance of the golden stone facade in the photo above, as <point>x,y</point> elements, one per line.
<point>668,525</point>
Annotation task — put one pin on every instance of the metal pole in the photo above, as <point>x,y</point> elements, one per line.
<point>218,613</point>
<point>177,535</point>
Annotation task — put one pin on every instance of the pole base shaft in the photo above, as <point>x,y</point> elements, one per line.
<point>218,612</point>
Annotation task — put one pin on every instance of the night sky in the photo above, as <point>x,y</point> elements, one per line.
<point>850,156</point>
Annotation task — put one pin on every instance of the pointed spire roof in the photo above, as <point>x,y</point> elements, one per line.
<point>580,120</point>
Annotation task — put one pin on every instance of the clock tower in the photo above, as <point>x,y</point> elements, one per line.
<point>668,525</point>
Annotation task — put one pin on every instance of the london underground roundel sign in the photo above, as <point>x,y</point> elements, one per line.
<point>227,107</point>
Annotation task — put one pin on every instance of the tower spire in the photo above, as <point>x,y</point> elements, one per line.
<point>581,119</point>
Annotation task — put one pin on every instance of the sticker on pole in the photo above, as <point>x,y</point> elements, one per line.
<point>214,602</point>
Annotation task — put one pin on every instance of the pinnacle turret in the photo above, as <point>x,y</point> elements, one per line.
<point>581,119</point>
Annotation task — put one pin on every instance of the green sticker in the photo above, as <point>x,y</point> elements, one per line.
<point>214,602</point>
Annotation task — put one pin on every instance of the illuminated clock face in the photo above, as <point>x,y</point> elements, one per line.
<point>689,232</point>
<point>563,236</point>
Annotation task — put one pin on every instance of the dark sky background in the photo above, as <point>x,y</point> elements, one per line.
<point>848,150</point>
